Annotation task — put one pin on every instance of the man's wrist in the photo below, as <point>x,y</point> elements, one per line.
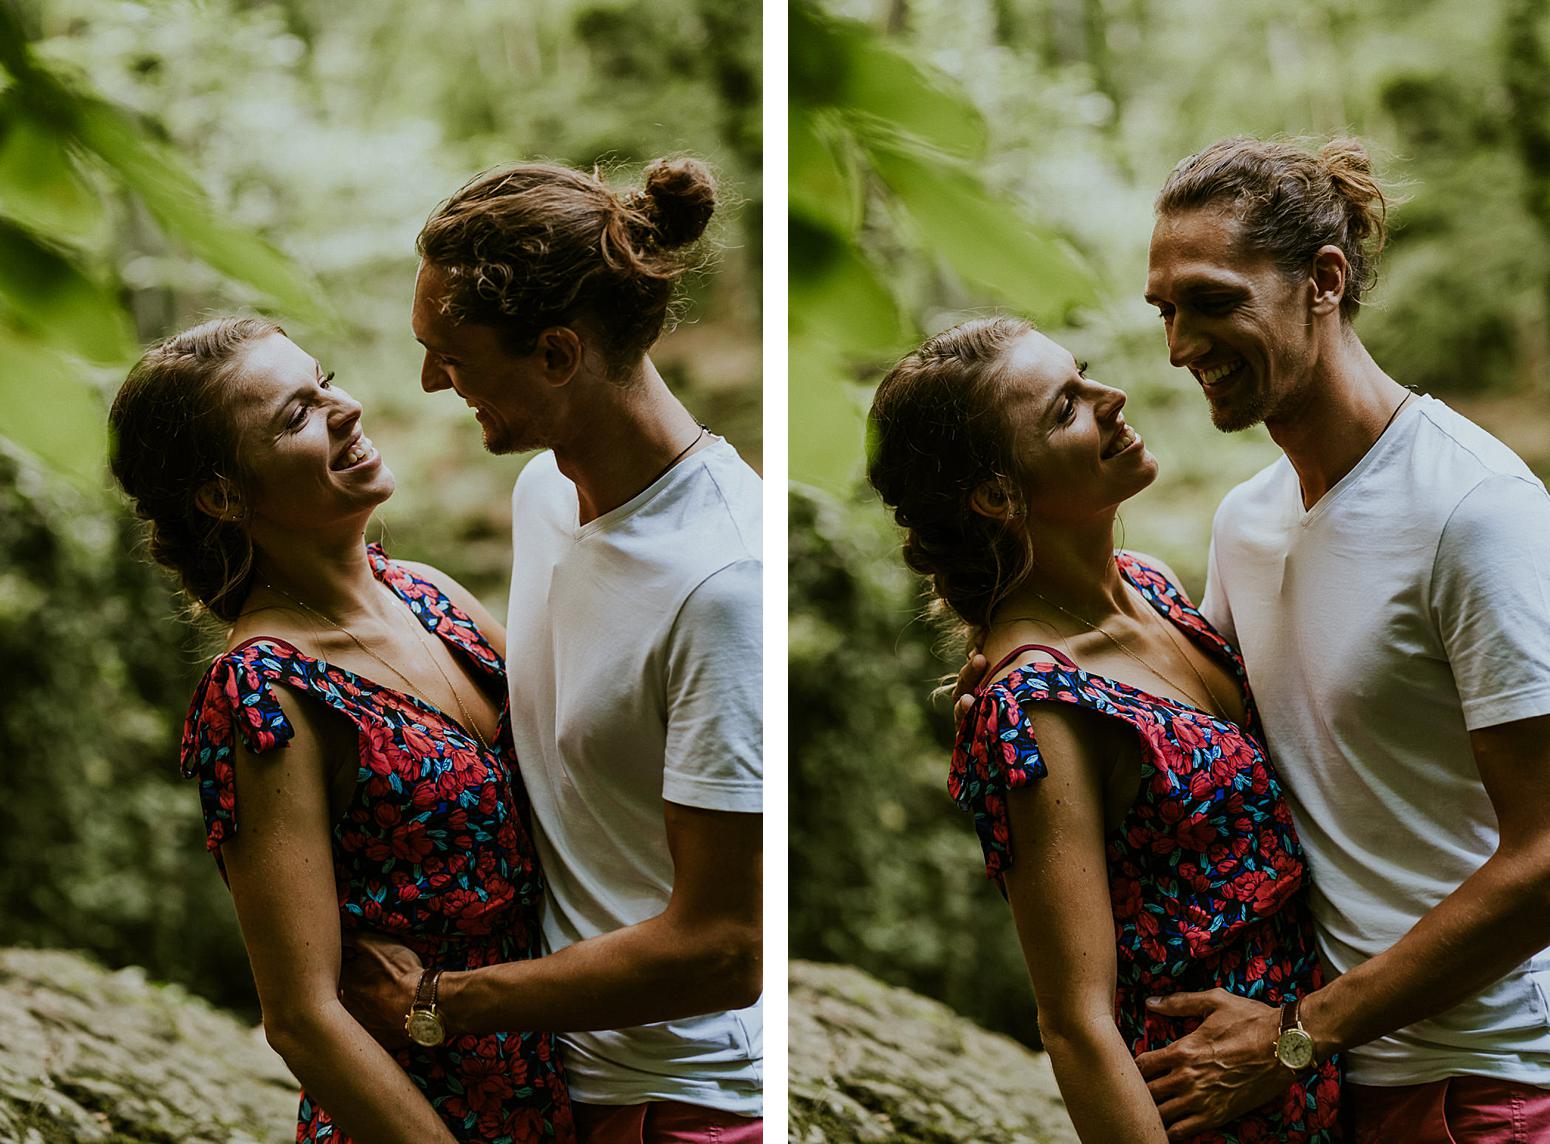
<point>1318,1021</point>
<point>450,988</point>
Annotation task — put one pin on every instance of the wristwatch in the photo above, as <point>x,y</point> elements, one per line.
<point>1294,1047</point>
<point>423,1021</point>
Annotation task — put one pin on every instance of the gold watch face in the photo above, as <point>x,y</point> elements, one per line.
<point>424,1028</point>
<point>1294,1049</point>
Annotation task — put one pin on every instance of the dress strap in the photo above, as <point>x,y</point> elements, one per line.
<point>1059,656</point>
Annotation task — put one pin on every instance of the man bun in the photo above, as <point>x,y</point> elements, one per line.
<point>678,200</point>
<point>1350,173</point>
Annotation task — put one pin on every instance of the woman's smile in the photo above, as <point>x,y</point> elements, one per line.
<point>359,452</point>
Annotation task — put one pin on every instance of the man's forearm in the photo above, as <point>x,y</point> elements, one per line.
<point>1495,920</point>
<point>658,970</point>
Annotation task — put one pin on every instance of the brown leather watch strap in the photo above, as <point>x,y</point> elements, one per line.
<point>1290,1018</point>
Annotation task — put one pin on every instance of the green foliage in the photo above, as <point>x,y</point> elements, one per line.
<point>885,870</point>
<point>886,168</point>
<point>59,308</point>
<point>97,832</point>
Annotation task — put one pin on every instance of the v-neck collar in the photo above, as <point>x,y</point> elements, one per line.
<point>1308,515</point>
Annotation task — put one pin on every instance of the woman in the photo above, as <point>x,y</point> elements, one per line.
<point>1112,763</point>
<point>395,804</point>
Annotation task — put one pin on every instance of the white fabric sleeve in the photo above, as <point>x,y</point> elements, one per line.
<point>715,694</point>
<point>1490,600</point>
<point>1213,601</point>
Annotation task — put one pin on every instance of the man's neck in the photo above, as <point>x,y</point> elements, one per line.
<point>1336,417</point>
<point>624,441</point>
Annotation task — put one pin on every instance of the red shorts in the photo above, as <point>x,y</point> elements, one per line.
<point>1458,1110</point>
<point>663,1122</point>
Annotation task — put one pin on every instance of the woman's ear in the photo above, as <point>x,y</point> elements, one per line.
<point>219,498</point>
<point>990,499</point>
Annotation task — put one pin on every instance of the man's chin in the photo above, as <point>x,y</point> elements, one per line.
<point>1235,416</point>
<point>498,439</point>
<point>505,444</point>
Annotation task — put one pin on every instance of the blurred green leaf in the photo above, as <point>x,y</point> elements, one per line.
<point>846,64</point>
<point>829,408</point>
<point>56,303</point>
<point>40,186</point>
<point>836,297</point>
<point>984,238</point>
<point>45,403</point>
<point>160,180</point>
<point>825,184</point>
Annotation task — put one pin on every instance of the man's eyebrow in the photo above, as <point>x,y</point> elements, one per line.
<point>439,352</point>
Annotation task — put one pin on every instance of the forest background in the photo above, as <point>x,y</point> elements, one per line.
<point>165,161</point>
<point>951,158</point>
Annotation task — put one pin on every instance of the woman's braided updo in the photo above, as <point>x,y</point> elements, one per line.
<point>533,246</point>
<point>173,436</point>
<point>1290,202</point>
<point>936,433</point>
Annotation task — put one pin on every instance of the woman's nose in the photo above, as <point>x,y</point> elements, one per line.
<point>345,411</point>
<point>1110,402</point>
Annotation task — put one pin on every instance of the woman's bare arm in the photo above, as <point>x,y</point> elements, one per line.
<point>1058,887</point>
<point>280,869</point>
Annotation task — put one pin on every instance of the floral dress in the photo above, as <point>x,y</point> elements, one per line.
<point>433,850</point>
<point>1205,870</point>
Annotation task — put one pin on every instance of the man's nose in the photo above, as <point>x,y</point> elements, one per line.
<point>433,378</point>
<point>1185,344</point>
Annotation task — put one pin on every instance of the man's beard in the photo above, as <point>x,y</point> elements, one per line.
<point>1245,411</point>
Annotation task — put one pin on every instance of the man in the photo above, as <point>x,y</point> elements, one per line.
<point>1388,583</point>
<point>633,651</point>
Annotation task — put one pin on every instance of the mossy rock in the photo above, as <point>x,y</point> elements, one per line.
<point>870,1062</point>
<point>88,1056</point>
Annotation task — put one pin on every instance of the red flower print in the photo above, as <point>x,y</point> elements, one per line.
<point>412,842</point>
<point>1196,832</point>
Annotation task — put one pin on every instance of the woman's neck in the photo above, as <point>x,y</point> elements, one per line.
<point>332,575</point>
<point>1073,571</point>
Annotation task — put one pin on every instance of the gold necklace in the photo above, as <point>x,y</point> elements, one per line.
<point>1173,638</point>
<point>1185,691</point>
<point>414,688</point>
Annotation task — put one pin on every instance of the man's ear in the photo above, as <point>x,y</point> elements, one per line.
<point>562,353</point>
<point>1330,274</point>
<point>990,499</point>
<point>219,498</point>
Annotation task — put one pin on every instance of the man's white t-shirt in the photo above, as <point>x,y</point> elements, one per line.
<point>1410,606</point>
<point>634,651</point>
